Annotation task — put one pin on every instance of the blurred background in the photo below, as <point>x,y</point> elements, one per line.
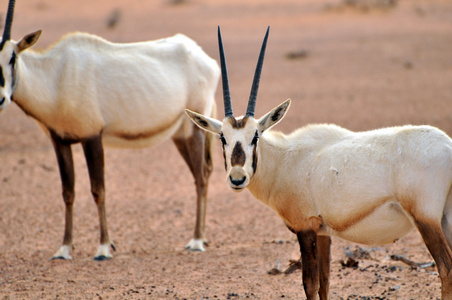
<point>361,64</point>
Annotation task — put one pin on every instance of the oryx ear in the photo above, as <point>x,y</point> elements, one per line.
<point>205,123</point>
<point>274,116</point>
<point>28,40</point>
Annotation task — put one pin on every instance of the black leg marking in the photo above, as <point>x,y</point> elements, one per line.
<point>324,253</point>
<point>94,154</point>
<point>63,153</point>
<point>309,256</point>
<point>438,246</point>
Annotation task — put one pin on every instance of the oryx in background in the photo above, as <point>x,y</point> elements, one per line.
<point>84,89</point>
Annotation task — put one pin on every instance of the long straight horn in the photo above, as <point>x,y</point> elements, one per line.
<point>257,75</point>
<point>8,22</point>
<point>224,75</point>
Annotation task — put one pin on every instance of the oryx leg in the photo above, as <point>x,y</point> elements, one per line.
<point>196,151</point>
<point>310,264</point>
<point>324,251</point>
<point>94,154</point>
<point>437,244</point>
<point>66,166</point>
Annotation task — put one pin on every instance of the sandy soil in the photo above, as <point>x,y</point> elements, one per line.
<point>361,66</point>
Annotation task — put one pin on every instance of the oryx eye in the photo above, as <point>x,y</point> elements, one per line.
<point>255,139</point>
<point>223,140</point>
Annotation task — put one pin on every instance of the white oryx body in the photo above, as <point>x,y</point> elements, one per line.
<point>368,187</point>
<point>89,90</point>
<point>363,186</point>
<point>135,94</point>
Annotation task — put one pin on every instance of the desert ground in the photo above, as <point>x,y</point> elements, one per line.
<point>361,64</point>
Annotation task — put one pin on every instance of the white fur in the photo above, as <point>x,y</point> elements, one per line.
<point>84,85</point>
<point>133,94</point>
<point>339,175</point>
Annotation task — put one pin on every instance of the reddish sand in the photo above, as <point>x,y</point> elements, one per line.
<point>361,67</point>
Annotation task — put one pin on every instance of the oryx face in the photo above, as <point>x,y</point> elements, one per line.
<point>9,55</point>
<point>240,136</point>
<point>8,78</point>
<point>240,141</point>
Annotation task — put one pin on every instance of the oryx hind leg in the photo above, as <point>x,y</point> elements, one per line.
<point>195,147</point>
<point>94,155</point>
<point>63,153</point>
<point>436,242</point>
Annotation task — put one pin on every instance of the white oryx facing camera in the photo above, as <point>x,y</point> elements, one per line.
<point>368,187</point>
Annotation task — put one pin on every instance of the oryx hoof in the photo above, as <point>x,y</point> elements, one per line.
<point>102,258</point>
<point>103,253</point>
<point>62,253</point>
<point>196,245</point>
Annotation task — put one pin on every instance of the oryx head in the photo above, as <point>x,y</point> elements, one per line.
<point>9,55</point>
<point>240,136</point>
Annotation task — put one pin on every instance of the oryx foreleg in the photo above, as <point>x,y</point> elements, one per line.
<point>324,252</point>
<point>66,166</point>
<point>307,240</point>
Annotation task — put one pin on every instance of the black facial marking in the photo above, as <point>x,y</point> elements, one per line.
<point>12,61</point>
<point>223,143</point>
<point>13,78</point>
<point>222,139</point>
<point>2,78</point>
<point>254,164</point>
<point>224,158</point>
<point>237,124</point>
<point>254,144</point>
<point>238,155</point>
<point>255,138</point>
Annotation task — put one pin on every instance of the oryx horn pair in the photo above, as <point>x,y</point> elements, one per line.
<point>8,23</point>
<point>257,74</point>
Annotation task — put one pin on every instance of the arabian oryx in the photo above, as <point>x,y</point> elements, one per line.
<point>88,90</point>
<point>367,187</point>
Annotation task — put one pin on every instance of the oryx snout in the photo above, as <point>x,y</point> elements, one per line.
<point>238,179</point>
